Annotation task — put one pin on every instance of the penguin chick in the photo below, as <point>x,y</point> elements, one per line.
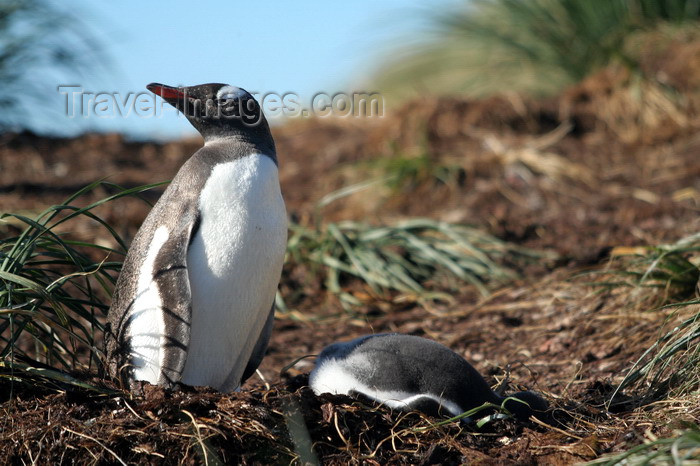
<point>412,373</point>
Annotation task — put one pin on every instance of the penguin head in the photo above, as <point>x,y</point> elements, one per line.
<point>527,403</point>
<point>216,110</point>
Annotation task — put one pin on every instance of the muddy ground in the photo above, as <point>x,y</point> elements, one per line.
<point>578,176</point>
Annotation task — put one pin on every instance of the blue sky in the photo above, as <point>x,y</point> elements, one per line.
<point>302,47</point>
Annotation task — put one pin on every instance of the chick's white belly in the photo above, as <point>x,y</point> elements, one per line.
<point>234,264</point>
<point>343,377</point>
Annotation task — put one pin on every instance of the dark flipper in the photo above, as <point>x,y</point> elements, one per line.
<point>260,347</point>
<point>171,276</point>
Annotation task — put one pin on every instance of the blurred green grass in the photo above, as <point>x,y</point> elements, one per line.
<point>534,47</point>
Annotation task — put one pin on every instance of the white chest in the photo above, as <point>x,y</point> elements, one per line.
<point>241,210</point>
<point>234,264</point>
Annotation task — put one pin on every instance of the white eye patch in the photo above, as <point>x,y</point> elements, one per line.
<point>230,92</point>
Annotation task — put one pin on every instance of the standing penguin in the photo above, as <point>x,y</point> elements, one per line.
<point>408,372</point>
<point>195,299</point>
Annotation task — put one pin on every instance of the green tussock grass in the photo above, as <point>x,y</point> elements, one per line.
<point>536,47</point>
<point>673,270</point>
<point>53,296</point>
<point>421,258</point>
<point>682,448</point>
<point>671,366</point>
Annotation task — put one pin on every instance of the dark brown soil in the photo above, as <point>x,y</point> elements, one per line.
<point>572,175</point>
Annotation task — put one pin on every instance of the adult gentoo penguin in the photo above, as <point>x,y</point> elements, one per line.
<point>194,301</point>
<point>411,373</point>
